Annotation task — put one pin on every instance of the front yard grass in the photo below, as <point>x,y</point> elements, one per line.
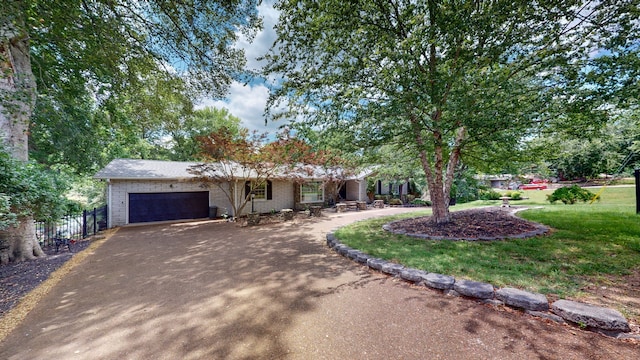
<point>587,241</point>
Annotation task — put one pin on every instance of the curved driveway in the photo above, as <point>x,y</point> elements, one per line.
<point>211,290</point>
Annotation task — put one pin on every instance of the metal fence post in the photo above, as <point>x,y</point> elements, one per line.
<point>95,221</point>
<point>84,224</point>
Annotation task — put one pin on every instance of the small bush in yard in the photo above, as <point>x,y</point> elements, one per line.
<point>421,202</point>
<point>395,202</point>
<point>516,195</point>
<point>571,195</point>
<point>489,195</point>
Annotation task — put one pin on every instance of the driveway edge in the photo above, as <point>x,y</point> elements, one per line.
<point>601,320</point>
<point>18,313</point>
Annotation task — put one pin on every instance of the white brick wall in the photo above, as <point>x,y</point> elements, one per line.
<point>120,189</point>
<point>356,190</point>
<point>363,190</point>
<point>282,198</point>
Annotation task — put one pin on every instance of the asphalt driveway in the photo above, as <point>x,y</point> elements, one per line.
<point>211,290</point>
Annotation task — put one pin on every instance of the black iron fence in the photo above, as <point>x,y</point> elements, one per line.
<point>72,226</point>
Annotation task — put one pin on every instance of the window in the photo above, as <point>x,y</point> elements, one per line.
<point>261,192</point>
<point>311,191</point>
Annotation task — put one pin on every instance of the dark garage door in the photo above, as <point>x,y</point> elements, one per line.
<point>168,206</point>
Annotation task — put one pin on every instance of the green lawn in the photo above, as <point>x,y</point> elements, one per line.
<point>587,241</point>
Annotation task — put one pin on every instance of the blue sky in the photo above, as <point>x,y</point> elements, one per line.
<point>248,101</point>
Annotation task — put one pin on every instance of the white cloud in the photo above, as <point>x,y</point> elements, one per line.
<point>247,102</point>
<point>263,39</point>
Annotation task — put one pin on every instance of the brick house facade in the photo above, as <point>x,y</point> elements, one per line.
<point>140,191</point>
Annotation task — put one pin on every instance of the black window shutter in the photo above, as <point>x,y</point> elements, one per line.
<point>269,192</point>
<point>247,188</point>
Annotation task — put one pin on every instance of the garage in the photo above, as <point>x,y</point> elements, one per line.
<point>147,207</point>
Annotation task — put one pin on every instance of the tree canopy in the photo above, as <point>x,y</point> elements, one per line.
<point>449,80</point>
<point>113,76</point>
<point>184,135</point>
<point>101,72</point>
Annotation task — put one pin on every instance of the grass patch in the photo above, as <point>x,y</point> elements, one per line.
<point>587,241</point>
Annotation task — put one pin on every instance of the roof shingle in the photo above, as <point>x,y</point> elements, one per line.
<point>145,170</point>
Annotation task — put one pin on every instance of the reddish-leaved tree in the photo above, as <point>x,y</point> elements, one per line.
<point>231,159</point>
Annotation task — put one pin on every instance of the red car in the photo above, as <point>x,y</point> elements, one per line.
<point>532,186</point>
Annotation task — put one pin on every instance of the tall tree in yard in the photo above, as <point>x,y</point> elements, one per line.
<point>97,49</point>
<point>201,122</point>
<point>445,79</point>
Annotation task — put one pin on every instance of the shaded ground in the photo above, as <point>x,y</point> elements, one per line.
<point>206,290</point>
<point>17,279</point>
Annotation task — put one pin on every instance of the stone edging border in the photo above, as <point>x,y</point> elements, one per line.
<point>602,320</point>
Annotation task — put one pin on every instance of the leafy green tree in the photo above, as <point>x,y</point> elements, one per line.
<point>99,50</point>
<point>27,191</point>
<point>184,134</point>
<point>586,159</point>
<point>395,165</point>
<point>610,150</point>
<point>445,79</point>
<point>74,128</point>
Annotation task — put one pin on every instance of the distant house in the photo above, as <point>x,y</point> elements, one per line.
<point>502,181</point>
<point>141,191</point>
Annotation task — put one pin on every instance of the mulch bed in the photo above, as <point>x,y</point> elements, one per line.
<point>17,279</point>
<point>475,224</point>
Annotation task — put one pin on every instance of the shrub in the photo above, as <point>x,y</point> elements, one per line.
<point>395,202</point>
<point>465,186</point>
<point>516,195</point>
<point>421,202</point>
<point>571,195</point>
<point>489,195</point>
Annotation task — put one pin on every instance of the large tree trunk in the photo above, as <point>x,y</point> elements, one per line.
<point>439,198</point>
<point>22,242</point>
<point>17,101</point>
<point>440,179</point>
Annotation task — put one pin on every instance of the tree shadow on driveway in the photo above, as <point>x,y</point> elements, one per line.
<point>189,291</point>
<point>212,290</point>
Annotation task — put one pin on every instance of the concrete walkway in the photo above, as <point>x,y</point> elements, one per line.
<point>211,290</point>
